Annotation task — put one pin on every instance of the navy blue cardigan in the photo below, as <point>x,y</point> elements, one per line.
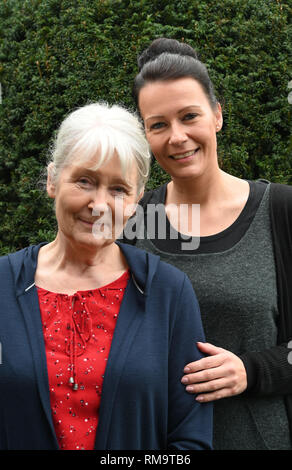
<point>143,405</point>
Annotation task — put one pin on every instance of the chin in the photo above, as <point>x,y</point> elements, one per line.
<point>187,174</point>
<point>90,242</point>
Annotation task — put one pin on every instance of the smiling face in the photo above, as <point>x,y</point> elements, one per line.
<point>181,126</point>
<point>92,206</point>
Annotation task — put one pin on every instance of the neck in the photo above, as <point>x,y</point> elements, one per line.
<point>199,190</point>
<point>63,255</point>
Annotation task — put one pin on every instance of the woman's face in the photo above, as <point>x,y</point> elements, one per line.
<point>180,126</point>
<point>92,206</point>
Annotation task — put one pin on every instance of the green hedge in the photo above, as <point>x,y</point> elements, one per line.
<point>56,55</point>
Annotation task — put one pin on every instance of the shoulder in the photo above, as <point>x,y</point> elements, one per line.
<point>281,221</point>
<point>176,294</point>
<point>154,196</point>
<point>170,271</point>
<point>149,269</point>
<point>8,268</point>
<point>4,262</point>
<point>142,260</point>
<point>175,282</point>
<point>16,260</point>
<point>21,254</point>
<point>281,191</point>
<point>281,200</point>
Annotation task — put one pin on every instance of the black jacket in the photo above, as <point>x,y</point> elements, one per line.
<point>270,372</point>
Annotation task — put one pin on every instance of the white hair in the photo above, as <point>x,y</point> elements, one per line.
<point>99,128</point>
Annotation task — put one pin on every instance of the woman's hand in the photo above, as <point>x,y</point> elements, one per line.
<point>221,374</point>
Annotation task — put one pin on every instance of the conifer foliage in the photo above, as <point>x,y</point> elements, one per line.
<point>56,55</point>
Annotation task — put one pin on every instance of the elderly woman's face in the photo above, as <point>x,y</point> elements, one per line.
<point>92,206</point>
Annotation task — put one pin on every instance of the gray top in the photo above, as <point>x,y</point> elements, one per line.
<point>237,294</point>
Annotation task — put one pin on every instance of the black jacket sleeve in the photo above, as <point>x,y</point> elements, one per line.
<point>269,372</point>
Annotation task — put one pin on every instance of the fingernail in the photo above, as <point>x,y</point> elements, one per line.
<point>187,369</point>
<point>200,398</point>
<point>189,388</point>
<point>184,380</point>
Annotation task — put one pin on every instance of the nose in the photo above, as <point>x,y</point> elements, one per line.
<point>98,202</point>
<point>178,135</point>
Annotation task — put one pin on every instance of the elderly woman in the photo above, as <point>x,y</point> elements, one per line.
<point>95,334</point>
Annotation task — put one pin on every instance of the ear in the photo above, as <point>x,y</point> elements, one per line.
<point>140,195</point>
<point>131,208</point>
<point>218,118</point>
<point>51,188</point>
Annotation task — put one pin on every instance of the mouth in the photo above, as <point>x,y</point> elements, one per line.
<point>88,223</point>
<point>181,156</point>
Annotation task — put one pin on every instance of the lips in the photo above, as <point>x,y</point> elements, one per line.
<point>91,222</point>
<point>180,156</point>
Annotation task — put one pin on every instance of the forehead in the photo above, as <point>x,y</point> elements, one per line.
<point>111,168</point>
<point>159,97</point>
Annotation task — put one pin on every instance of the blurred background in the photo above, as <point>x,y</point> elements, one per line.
<point>56,55</point>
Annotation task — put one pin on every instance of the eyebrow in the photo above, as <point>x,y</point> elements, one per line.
<point>115,180</point>
<point>122,182</point>
<point>158,116</point>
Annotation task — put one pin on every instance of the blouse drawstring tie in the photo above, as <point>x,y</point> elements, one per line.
<point>80,327</point>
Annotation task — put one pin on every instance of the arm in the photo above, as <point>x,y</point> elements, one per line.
<point>190,422</point>
<point>269,372</point>
<point>223,374</point>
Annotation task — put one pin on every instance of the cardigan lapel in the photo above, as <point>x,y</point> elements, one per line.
<point>23,265</point>
<point>131,314</point>
<point>29,306</point>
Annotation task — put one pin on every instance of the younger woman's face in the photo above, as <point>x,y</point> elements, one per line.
<point>180,126</point>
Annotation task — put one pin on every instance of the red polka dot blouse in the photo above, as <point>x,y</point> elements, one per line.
<point>78,331</point>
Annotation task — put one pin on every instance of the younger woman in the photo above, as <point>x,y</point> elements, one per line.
<point>242,269</point>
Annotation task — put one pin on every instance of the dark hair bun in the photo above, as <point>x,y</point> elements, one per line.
<point>161,45</point>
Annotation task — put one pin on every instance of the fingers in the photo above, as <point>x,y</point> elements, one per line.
<point>204,375</point>
<point>202,364</point>
<point>211,386</point>
<point>209,348</point>
<point>215,389</point>
<point>217,395</point>
<point>210,361</point>
<point>220,375</point>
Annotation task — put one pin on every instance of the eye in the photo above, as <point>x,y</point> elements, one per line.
<point>157,125</point>
<point>120,191</point>
<point>189,116</point>
<point>84,182</point>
